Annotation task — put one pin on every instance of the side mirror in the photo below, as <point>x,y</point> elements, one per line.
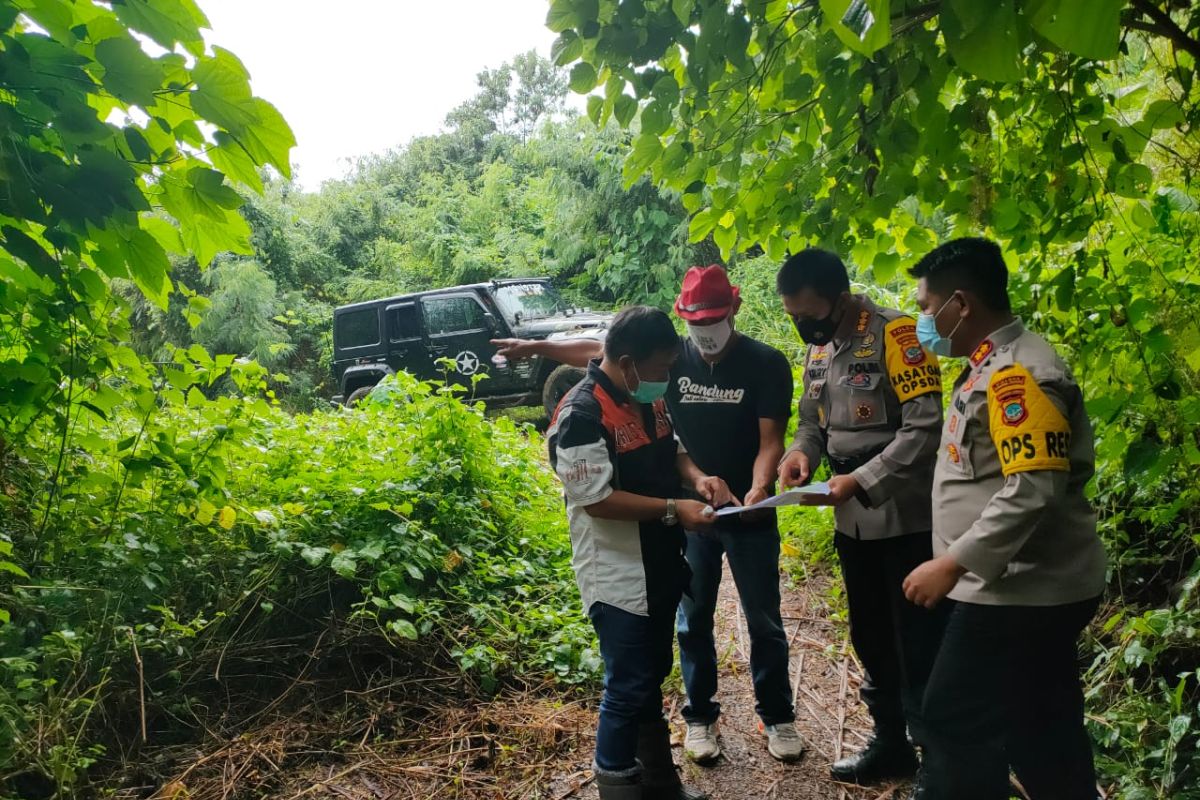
<point>494,326</point>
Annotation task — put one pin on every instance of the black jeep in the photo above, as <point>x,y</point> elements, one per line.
<point>411,332</point>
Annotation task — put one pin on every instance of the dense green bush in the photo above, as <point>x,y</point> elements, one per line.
<point>192,530</point>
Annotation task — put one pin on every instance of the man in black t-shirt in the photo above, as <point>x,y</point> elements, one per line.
<point>729,397</point>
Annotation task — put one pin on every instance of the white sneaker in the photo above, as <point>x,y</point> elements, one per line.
<point>783,741</point>
<point>700,744</point>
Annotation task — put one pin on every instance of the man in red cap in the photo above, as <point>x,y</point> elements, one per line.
<point>729,397</point>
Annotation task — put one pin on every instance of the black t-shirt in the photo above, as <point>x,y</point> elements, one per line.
<point>716,407</point>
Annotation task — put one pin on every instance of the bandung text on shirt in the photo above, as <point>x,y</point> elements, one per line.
<point>690,392</point>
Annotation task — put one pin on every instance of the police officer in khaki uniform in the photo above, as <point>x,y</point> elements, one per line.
<point>1015,544</point>
<point>871,406</point>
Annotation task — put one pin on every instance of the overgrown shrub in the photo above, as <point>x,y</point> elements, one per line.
<point>177,536</point>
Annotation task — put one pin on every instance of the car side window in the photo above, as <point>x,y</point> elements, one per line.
<point>358,328</point>
<point>404,323</point>
<point>453,315</point>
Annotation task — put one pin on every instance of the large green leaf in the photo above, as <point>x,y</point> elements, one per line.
<point>148,265</point>
<point>646,150</point>
<point>165,21</point>
<point>222,93</point>
<point>129,73</point>
<point>583,78</point>
<point>984,37</point>
<point>1089,28</point>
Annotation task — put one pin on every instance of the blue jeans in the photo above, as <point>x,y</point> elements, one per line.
<point>638,656</point>
<point>753,552</point>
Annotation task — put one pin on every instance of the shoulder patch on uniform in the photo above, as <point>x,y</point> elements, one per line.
<point>913,370</point>
<point>1029,431</point>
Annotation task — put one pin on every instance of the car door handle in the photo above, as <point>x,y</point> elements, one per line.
<point>437,348</point>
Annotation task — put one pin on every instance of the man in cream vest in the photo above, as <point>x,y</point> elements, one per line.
<point>1015,546</point>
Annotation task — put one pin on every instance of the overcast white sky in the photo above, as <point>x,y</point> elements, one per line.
<point>354,77</point>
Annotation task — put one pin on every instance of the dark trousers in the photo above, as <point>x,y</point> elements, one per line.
<point>1006,691</point>
<point>637,655</point>
<point>895,640</point>
<point>753,552</point>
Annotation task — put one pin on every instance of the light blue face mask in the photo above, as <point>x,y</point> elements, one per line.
<point>927,332</point>
<point>646,391</point>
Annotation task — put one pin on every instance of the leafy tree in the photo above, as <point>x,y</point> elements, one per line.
<point>1064,128</point>
<point>242,312</point>
<point>99,130</point>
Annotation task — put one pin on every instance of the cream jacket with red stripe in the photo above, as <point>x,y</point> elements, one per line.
<point>1008,491</point>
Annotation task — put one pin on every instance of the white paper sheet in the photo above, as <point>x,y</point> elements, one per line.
<point>792,497</point>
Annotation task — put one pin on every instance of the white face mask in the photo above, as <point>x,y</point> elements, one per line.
<point>710,339</point>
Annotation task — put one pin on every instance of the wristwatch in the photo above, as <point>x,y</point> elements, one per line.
<point>670,518</point>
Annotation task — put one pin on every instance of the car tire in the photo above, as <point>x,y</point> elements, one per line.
<point>560,381</point>
<point>358,394</point>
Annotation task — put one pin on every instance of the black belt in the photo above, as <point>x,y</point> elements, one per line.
<point>844,466</point>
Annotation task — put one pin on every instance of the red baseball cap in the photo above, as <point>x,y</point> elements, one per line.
<point>707,294</point>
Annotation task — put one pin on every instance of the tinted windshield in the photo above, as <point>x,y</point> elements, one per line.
<point>530,300</point>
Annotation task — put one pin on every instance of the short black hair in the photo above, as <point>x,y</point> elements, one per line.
<point>971,263</point>
<point>816,269</point>
<point>639,332</point>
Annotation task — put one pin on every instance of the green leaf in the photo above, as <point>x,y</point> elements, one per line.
<point>404,628</point>
<point>24,247</point>
<point>1064,288</point>
<point>884,266</point>
<point>1006,214</point>
<point>166,22</point>
<point>646,150</point>
<point>983,37</point>
<point>567,47</point>
<point>129,73</point>
<point>1088,28</point>
<point>1164,114</point>
<point>701,225</point>
<point>1133,181</point>
<point>210,191</point>
<point>624,108</point>
<point>344,564</point>
<point>1141,457</point>
<point>222,92</point>
<point>655,119</point>
<point>231,158</point>
<point>862,25</point>
<point>595,108</point>
<point>583,78</point>
<point>270,139</point>
<point>682,9</point>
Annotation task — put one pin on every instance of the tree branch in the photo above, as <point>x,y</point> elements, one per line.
<point>1164,26</point>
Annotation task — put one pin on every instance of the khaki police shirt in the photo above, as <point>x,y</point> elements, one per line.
<point>875,397</point>
<point>1008,493</point>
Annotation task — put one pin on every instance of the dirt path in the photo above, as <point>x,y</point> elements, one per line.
<point>407,737</point>
<point>825,684</point>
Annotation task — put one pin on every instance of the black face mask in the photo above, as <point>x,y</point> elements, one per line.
<point>817,331</point>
